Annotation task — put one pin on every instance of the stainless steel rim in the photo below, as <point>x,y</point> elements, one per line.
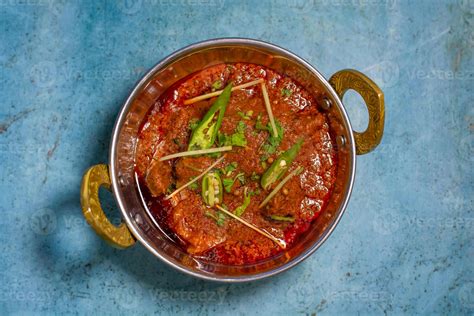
<point>182,52</point>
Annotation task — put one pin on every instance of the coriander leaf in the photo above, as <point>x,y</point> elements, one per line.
<point>241,177</point>
<point>211,215</point>
<point>217,85</point>
<point>259,125</point>
<point>193,186</point>
<point>171,188</point>
<point>221,218</point>
<point>286,92</point>
<point>230,168</point>
<point>254,176</point>
<point>247,115</point>
<point>228,183</point>
<point>256,192</point>
<point>236,139</point>
<point>240,127</point>
<point>215,155</point>
<point>222,139</point>
<point>243,115</point>
<point>271,144</point>
<point>193,124</point>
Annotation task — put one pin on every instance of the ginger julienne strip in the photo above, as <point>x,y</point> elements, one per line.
<point>216,93</point>
<point>196,152</point>
<point>269,110</point>
<point>279,242</point>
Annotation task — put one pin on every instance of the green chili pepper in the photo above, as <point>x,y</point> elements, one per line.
<point>212,189</point>
<point>205,133</point>
<point>280,165</point>
<point>241,209</point>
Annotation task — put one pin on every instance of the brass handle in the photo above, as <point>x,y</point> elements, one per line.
<point>95,177</point>
<point>352,79</point>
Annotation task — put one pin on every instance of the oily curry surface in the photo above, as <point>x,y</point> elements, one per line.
<point>297,163</point>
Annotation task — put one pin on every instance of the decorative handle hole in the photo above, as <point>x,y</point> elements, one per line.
<point>357,110</point>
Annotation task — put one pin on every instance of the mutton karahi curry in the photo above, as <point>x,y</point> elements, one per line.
<point>235,162</point>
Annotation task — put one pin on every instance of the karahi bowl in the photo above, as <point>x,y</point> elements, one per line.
<point>119,174</point>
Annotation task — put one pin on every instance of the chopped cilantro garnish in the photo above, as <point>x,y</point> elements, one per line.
<point>228,183</point>
<point>255,176</point>
<point>259,125</point>
<point>216,85</point>
<point>241,177</point>
<point>229,168</point>
<point>171,188</point>
<point>236,139</point>
<point>218,216</point>
<point>240,127</point>
<point>242,115</point>
<point>256,192</point>
<point>286,92</point>
<point>221,218</point>
<point>194,185</point>
<point>246,116</point>
<point>215,155</point>
<point>193,124</point>
<point>272,143</point>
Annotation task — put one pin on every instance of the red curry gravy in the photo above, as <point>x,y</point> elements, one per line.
<point>201,230</point>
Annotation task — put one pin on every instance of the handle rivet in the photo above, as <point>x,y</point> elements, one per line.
<point>138,219</point>
<point>326,104</point>
<point>122,180</point>
<point>340,141</point>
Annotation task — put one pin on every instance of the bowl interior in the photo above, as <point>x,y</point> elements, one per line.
<point>174,68</point>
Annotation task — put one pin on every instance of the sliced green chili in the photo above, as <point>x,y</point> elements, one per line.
<point>212,189</point>
<point>241,209</point>
<point>280,165</point>
<point>204,134</point>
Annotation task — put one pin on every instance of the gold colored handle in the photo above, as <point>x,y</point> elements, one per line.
<point>352,79</point>
<point>95,177</point>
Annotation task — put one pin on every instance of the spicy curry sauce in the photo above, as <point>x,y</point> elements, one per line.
<point>204,231</point>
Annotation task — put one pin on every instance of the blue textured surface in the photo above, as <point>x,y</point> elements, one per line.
<point>405,244</point>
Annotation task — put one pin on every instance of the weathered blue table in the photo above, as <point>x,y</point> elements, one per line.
<point>405,244</point>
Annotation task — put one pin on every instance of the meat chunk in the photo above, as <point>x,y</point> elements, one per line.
<point>158,177</point>
<point>189,221</point>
